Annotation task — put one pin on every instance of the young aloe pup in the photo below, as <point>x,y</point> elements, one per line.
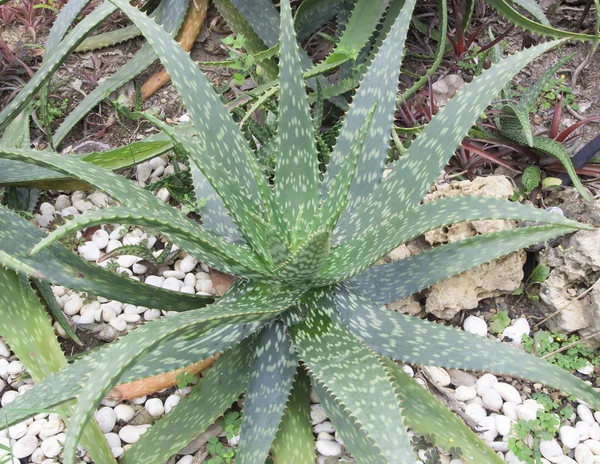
<point>308,307</point>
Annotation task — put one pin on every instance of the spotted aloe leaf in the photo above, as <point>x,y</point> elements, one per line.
<point>272,371</point>
<point>294,441</point>
<point>381,283</point>
<point>426,416</point>
<point>372,402</point>
<point>275,250</point>
<point>506,9</point>
<point>60,266</point>
<point>236,199</point>
<point>122,190</point>
<point>410,179</point>
<point>169,14</point>
<point>337,197</point>
<point>353,256</point>
<point>18,174</point>
<point>378,87</point>
<point>27,329</point>
<point>310,255</point>
<point>223,384</point>
<point>296,168</point>
<point>217,132</point>
<point>348,428</point>
<point>63,386</point>
<point>413,340</point>
<point>257,303</point>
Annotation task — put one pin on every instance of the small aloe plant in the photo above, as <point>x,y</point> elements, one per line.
<point>308,307</point>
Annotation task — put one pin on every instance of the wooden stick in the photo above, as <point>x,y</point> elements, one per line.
<point>192,24</point>
<point>150,385</point>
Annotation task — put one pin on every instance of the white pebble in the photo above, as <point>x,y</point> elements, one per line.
<point>25,446</point>
<point>127,260</point>
<point>585,414</point>
<point>47,209</point>
<point>83,206</point>
<point>99,199</point>
<point>62,202</point>
<point>583,455</point>
<point>4,351</point>
<point>484,383</point>
<point>184,118</point>
<point>163,195</point>
<point>525,413</point>
<point>117,451</point>
<point>100,238</point>
<point>569,436</point>
<point>189,280</point>
<point>132,433</point>
<point>551,450</point>
<point>492,399</point>
<point>317,414</point>
<point>583,429</point>
<point>151,314</point>
<point>155,407</point>
<point>175,274</point>
<point>17,431</point>
<point>328,448</point>
<point>465,393</point>
<point>324,427</point>
<point>186,289</point>
<point>171,402</point>
<point>124,412</point>
<point>118,323</point>
<point>50,447</point>
<point>475,412</point>
<point>171,283</point>
<point>475,325</point>
<point>89,251</point>
<point>154,281</point>
<point>508,392</point>
<point>113,245</point>
<point>107,419</point>
<point>139,268</point>
<point>16,368</point>
<point>188,263</point>
<point>503,424</point>
<point>70,211</point>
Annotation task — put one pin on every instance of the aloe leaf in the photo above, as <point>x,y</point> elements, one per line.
<point>372,402</point>
<point>506,10</point>
<point>532,7</point>
<point>253,43</point>
<point>413,340</point>
<point>213,394</point>
<point>272,371</point>
<point>60,266</point>
<point>28,331</point>
<point>185,234</point>
<point>296,165</point>
<point>170,14</point>
<point>337,197</point>
<point>236,198</point>
<point>308,258</point>
<point>312,14</point>
<point>16,173</point>
<point>531,96</point>
<point>276,248</point>
<point>106,39</point>
<point>426,416</point>
<point>216,130</point>
<point>411,178</point>
<point>522,119</point>
<point>257,303</point>
<point>45,291</point>
<point>352,433</point>
<point>352,256</point>
<point>125,191</point>
<point>63,386</point>
<point>379,86</point>
<point>294,441</point>
<point>214,214</point>
<point>552,148</point>
<point>441,50</point>
<point>49,66</point>
<point>391,282</point>
<point>363,21</point>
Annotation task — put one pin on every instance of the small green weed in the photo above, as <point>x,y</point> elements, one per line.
<point>242,62</point>
<point>219,453</point>
<point>552,92</point>
<point>184,379</point>
<point>500,321</point>
<point>573,358</point>
<point>543,427</point>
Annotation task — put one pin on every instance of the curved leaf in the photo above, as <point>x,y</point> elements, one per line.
<point>272,372</point>
<point>213,394</point>
<point>371,401</point>
<point>390,282</point>
<point>413,340</point>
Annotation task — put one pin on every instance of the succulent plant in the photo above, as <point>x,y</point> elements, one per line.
<point>308,305</point>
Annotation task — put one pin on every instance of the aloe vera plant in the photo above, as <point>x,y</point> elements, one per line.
<point>308,307</point>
